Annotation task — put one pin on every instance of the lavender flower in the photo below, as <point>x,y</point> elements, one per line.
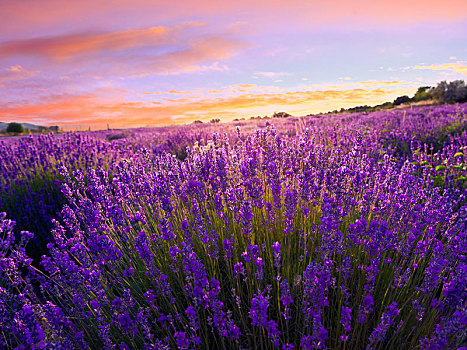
<point>277,254</point>
<point>259,268</point>
<point>365,308</point>
<point>181,340</point>
<point>131,231</point>
<point>346,318</point>
<point>259,308</point>
<point>239,269</point>
<point>387,319</point>
<point>273,332</point>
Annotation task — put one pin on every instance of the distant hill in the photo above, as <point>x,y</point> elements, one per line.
<point>28,126</point>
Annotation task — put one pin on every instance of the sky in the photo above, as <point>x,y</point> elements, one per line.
<point>143,63</point>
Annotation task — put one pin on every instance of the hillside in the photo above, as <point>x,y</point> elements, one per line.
<point>28,126</point>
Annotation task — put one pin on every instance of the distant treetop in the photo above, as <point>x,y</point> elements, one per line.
<point>15,128</point>
<point>452,92</point>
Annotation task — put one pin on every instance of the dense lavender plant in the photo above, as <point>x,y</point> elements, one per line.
<point>341,237</point>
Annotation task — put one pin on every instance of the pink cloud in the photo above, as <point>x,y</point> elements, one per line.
<point>14,73</point>
<point>30,16</point>
<point>62,47</point>
<point>188,58</point>
<point>128,53</point>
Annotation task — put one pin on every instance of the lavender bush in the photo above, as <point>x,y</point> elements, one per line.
<point>313,233</point>
<point>30,180</point>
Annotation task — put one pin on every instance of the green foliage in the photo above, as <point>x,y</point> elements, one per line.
<point>454,91</point>
<point>422,94</point>
<point>445,92</point>
<point>402,99</point>
<point>116,137</point>
<point>15,128</point>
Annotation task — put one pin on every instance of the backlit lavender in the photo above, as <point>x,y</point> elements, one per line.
<point>346,231</point>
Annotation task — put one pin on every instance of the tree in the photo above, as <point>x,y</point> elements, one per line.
<point>422,94</point>
<point>401,99</point>
<point>15,127</point>
<point>454,91</point>
<point>281,115</point>
<point>459,93</point>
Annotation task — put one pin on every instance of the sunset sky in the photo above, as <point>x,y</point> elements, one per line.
<point>132,63</point>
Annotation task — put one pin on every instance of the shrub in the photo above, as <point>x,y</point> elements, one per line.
<point>15,128</point>
<point>401,99</point>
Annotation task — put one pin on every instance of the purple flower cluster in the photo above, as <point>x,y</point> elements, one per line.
<point>258,312</point>
<point>352,234</point>
<point>346,319</point>
<point>387,319</point>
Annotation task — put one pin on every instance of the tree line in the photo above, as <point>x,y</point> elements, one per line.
<point>18,128</point>
<point>445,92</point>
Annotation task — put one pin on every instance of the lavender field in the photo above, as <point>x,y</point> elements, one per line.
<point>326,232</point>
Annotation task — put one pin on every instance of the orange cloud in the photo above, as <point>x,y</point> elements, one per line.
<point>138,52</point>
<point>15,71</point>
<point>372,83</point>
<point>181,92</point>
<point>186,59</point>
<point>243,86</point>
<point>458,67</point>
<point>14,75</point>
<point>369,84</point>
<point>63,47</point>
<point>97,110</point>
<point>81,111</point>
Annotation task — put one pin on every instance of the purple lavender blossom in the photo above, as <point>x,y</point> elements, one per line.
<point>259,308</point>
<point>228,247</point>
<point>277,254</point>
<point>273,332</point>
<point>345,321</point>
<point>259,268</point>
<point>181,340</point>
<point>365,308</point>
<point>374,206</point>
<point>239,269</point>
<point>387,319</point>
